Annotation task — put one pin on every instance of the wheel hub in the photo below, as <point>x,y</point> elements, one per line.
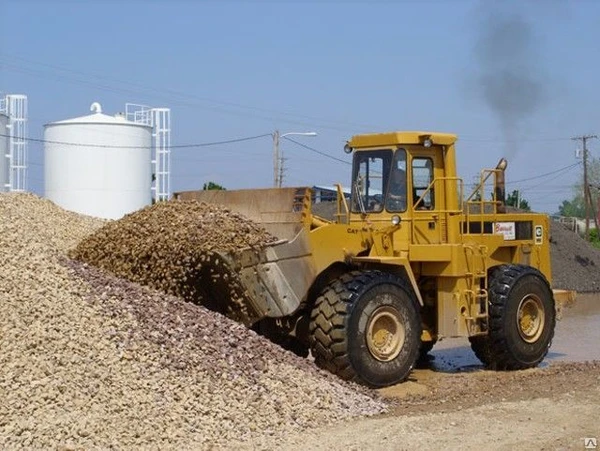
<point>530,318</point>
<point>385,334</point>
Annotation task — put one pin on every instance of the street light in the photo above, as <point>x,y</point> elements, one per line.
<point>276,137</point>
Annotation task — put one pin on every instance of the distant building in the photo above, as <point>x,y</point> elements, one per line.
<point>325,193</point>
<point>575,224</point>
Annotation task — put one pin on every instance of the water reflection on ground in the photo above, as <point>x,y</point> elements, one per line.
<point>576,339</point>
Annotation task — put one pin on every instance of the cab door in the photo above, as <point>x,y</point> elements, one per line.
<point>427,196</point>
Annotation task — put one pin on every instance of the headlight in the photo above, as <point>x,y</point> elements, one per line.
<point>396,220</point>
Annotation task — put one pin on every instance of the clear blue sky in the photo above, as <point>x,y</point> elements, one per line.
<point>516,80</point>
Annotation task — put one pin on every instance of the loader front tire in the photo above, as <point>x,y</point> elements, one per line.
<point>365,327</point>
<point>521,319</point>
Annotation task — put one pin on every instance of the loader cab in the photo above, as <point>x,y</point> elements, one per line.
<point>408,176</point>
<point>392,180</point>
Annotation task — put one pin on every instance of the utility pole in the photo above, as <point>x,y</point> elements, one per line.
<point>281,170</point>
<point>276,158</point>
<point>597,211</point>
<point>594,210</point>
<point>587,198</point>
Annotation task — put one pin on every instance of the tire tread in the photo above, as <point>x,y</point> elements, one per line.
<point>329,320</point>
<point>494,350</point>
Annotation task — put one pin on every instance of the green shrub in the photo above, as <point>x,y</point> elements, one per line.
<point>595,238</point>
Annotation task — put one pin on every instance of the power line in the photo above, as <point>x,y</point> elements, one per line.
<point>108,146</point>
<point>545,182</point>
<point>43,70</point>
<point>136,88</point>
<point>509,141</point>
<point>180,98</point>
<point>318,151</point>
<point>545,175</point>
<point>249,138</point>
<point>548,189</point>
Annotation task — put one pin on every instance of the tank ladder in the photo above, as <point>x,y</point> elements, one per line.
<point>15,107</point>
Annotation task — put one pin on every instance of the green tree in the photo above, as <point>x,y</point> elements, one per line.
<point>213,185</point>
<point>513,198</point>
<point>574,207</point>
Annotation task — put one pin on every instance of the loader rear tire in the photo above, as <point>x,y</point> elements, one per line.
<point>365,327</point>
<point>521,320</point>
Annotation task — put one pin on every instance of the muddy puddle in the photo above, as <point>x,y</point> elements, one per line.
<point>576,339</point>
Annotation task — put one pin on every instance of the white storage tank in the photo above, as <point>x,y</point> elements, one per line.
<point>4,154</point>
<point>98,165</point>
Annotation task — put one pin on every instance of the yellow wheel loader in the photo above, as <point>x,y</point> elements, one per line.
<point>407,260</point>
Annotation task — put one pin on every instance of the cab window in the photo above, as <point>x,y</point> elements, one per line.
<point>367,180</point>
<point>422,176</point>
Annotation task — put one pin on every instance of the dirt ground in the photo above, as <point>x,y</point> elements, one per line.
<point>451,402</point>
<point>550,408</point>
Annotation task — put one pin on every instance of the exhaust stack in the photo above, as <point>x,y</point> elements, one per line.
<point>500,188</point>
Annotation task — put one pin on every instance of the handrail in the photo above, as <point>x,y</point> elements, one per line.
<point>480,189</point>
<point>341,202</point>
<point>432,185</point>
<point>482,203</point>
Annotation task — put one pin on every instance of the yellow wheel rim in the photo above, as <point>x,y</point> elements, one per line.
<point>385,334</point>
<point>530,318</point>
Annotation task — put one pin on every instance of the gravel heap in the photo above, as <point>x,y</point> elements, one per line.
<point>575,262</point>
<point>172,246</point>
<point>89,360</point>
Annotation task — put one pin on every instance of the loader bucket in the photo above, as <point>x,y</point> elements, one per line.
<point>563,299</point>
<point>281,211</point>
<point>272,281</point>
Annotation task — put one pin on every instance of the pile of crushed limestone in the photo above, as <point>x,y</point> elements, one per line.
<point>92,361</point>
<point>176,247</point>
<point>575,262</point>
